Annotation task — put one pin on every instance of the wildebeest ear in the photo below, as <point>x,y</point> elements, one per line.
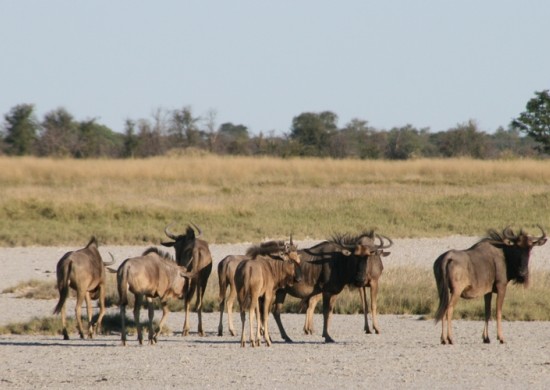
<point>508,242</point>
<point>384,254</point>
<point>346,252</point>
<point>171,243</point>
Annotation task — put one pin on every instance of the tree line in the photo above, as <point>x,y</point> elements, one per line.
<point>316,134</point>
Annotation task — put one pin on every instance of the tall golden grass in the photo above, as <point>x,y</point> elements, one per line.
<point>64,201</point>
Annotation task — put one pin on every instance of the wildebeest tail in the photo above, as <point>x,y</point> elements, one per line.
<point>63,273</point>
<point>442,281</point>
<point>244,293</point>
<point>122,283</point>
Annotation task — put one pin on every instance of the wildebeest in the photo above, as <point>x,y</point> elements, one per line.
<point>226,277</point>
<point>483,269</point>
<point>194,254</point>
<point>153,274</point>
<point>84,271</point>
<point>267,270</point>
<point>326,269</point>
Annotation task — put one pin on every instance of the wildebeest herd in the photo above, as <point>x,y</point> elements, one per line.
<point>261,278</point>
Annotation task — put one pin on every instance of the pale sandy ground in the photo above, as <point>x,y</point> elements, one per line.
<point>406,355</point>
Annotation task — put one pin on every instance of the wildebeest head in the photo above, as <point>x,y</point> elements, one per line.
<point>292,256</point>
<point>364,247</point>
<point>517,251</point>
<point>286,252</point>
<point>183,243</point>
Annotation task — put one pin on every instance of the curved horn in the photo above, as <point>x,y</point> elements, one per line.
<point>381,238</point>
<point>198,229</point>
<point>291,243</point>
<point>509,233</point>
<point>543,234</point>
<point>169,233</point>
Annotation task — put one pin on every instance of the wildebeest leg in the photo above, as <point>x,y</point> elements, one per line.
<point>279,301</point>
<point>89,313</point>
<point>243,320</point>
<point>185,329</point>
<point>78,310</point>
<point>222,304</point>
<point>229,303</point>
<point>198,308</point>
<point>500,301</point>
<point>328,305</point>
<point>97,325</point>
<point>487,298</point>
<point>137,305</point>
<point>374,305</point>
<point>365,305</point>
<point>251,311</point>
<point>268,301</point>
<point>165,312</point>
<point>311,305</point>
<point>452,302</point>
<point>123,324</point>
<point>150,316</point>
<point>64,321</point>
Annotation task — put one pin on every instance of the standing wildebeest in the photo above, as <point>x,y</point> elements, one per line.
<point>193,254</point>
<point>226,277</point>
<point>267,270</point>
<point>484,269</point>
<point>153,274</point>
<point>326,269</point>
<point>84,271</point>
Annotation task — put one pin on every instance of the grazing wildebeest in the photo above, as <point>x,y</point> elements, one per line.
<point>153,274</point>
<point>84,271</point>
<point>326,269</point>
<point>483,269</point>
<point>194,254</point>
<point>267,270</point>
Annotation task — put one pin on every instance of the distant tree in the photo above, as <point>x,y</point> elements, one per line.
<point>464,140</point>
<point>404,143</point>
<point>508,143</point>
<point>210,132</point>
<point>21,129</point>
<point>183,128</point>
<point>535,120</point>
<point>96,140</point>
<point>149,139</point>
<point>313,131</point>
<point>59,134</point>
<point>234,138</point>
<point>131,140</point>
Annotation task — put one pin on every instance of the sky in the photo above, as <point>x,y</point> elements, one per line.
<point>431,64</point>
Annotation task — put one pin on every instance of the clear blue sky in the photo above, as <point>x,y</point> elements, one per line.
<point>433,63</point>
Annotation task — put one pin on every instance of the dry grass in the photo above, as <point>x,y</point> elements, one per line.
<point>234,199</point>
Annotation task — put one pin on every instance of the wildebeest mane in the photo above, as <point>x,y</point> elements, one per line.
<point>495,238</point>
<point>162,254</point>
<point>265,249</point>
<point>347,239</point>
